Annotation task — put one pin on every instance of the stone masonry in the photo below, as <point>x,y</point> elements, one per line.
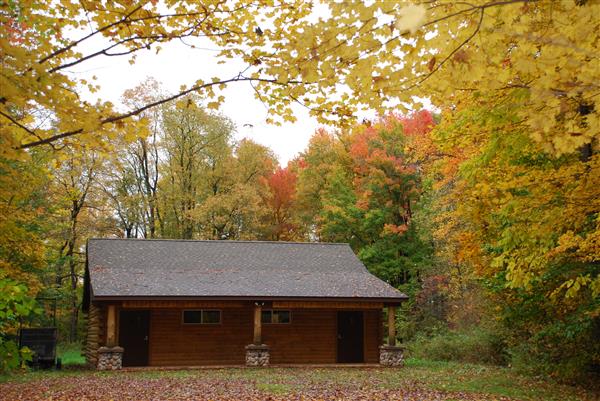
<point>390,355</point>
<point>257,355</point>
<point>110,358</point>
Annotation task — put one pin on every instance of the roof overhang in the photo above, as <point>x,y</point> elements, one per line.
<point>387,301</point>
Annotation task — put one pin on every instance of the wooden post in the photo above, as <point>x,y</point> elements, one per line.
<point>391,325</point>
<point>111,327</point>
<point>257,324</point>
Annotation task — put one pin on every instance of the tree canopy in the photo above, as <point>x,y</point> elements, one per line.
<point>333,59</point>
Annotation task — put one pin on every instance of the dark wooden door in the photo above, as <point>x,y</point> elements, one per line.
<point>134,329</point>
<point>350,337</point>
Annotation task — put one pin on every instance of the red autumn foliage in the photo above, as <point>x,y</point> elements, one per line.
<point>282,187</point>
<point>14,30</point>
<point>280,198</point>
<point>381,166</point>
<point>417,123</point>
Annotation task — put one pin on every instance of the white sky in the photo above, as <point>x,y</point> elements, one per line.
<point>177,64</point>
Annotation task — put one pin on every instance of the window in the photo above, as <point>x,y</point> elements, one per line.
<point>201,316</point>
<point>276,316</point>
<point>211,316</point>
<point>192,316</point>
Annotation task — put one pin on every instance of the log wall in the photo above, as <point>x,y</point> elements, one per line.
<point>96,332</point>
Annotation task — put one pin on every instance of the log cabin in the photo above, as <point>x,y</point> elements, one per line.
<point>255,303</point>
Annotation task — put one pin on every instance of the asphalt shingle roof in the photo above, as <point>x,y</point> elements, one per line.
<point>187,268</point>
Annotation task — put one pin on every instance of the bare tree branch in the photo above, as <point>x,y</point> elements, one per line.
<point>139,110</point>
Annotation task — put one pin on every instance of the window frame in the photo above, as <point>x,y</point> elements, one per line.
<point>201,323</point>
<point>289,311</point>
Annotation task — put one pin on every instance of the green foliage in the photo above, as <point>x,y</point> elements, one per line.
<point>397,260</point>
<point>22,224</point>
<point>15,304</point>
<point>11,357</point>
<point>542,340</point>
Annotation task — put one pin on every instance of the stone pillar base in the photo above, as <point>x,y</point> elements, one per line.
<point>257,355</point>
<point>110,358</point>
<point>391,355</point>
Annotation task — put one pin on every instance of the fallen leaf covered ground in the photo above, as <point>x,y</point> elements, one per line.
<point>126,387</point>
<point>416,382</point>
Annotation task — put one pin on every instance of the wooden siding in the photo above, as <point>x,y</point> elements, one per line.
<point>311,337</point>
<point>373,335</point>
<point>326,305</point>
<point>173,343</point>
<point>135,304</point>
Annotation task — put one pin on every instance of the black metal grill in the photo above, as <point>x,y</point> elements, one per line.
<point>42,341</point>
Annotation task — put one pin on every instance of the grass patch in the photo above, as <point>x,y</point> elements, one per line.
<point>274,388</point>
<point>70,354</point>
<point>473,378</point>
<point>31,376</point>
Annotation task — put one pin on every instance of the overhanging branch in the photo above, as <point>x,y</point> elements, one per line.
<point>120,117</point>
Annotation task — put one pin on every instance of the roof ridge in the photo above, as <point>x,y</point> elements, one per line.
<point>217,241</point>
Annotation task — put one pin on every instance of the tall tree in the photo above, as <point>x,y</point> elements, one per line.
<point>23,207</point>
<point>232,207</point>
<point>122,190</point>
<point>143,155</point>
<point>314,167</point>
<point>196,143</point>
<point>75,179</point>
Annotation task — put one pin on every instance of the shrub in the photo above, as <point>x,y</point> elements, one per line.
<point>476,345</point>
<point>14,305</point>
<point>566,350</point>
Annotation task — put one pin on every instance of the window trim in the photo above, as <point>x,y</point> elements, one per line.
<point>289,311</point>
<point>201,323</point>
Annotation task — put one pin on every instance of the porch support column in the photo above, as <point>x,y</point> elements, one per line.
<point>111,326</point>
<point>257,353</point>
<point>257,324</point>
<point>110,357</point>
<point>391,325</point>
<point>390,354</point>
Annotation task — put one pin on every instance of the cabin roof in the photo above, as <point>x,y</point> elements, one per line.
<point>125,268</point>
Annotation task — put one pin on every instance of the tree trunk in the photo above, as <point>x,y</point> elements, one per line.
<point>73,287</point>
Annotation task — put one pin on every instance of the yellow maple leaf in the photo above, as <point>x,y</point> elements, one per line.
<point>411,18</point>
